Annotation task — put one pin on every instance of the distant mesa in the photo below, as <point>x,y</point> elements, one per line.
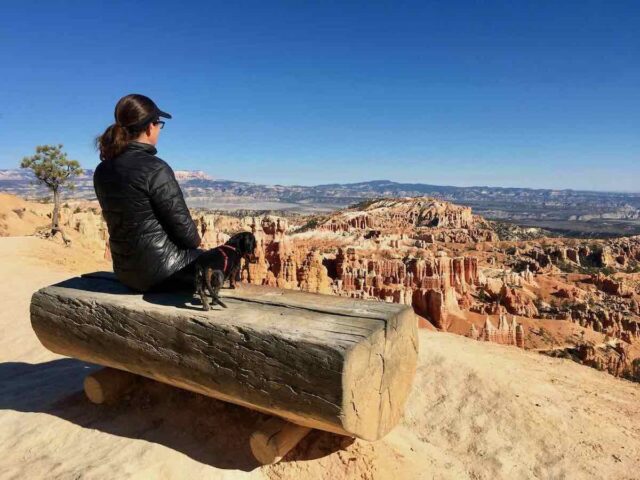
<point>186,175</point>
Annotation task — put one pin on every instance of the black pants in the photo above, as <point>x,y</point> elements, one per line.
<point>181,281</point>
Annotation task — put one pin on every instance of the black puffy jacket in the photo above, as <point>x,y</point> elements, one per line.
<point>151,233</point>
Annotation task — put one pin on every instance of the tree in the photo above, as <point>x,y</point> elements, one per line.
<point>52,168</point>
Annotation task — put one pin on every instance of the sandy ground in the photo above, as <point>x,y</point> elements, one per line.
<point>477,411</point>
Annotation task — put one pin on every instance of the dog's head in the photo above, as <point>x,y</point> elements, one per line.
<point>245,243</point>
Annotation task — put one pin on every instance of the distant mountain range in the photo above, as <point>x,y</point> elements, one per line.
<point>580,212</point>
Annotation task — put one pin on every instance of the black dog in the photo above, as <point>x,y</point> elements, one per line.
<point>221,263</point>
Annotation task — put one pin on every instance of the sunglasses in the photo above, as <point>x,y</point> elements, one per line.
<point>159,122</point>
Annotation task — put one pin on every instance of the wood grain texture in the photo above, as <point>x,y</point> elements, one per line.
<point>320,361</point>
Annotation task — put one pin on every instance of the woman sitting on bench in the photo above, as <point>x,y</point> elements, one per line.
<point>153,239</point>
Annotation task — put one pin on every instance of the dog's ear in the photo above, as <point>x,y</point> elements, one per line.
<point>234,241</point>
<point>248,243</point>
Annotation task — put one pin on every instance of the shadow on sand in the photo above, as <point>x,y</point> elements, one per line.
<point>207,430</point>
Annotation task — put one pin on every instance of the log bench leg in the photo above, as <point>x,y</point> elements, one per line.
<point>274,439</point>
<point>107,385</point>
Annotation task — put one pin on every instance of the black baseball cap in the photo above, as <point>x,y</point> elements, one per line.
<point>155,112</point>
<point>160,113</point>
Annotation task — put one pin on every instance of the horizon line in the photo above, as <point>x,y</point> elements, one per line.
<point>212,178</point>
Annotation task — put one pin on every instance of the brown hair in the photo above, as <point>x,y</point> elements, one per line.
<point>132,114</point>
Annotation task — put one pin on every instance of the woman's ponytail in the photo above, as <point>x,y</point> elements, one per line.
<point>132,114</point>
<point>113,141</point>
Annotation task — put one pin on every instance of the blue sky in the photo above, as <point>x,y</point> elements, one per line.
<point>532,94</point>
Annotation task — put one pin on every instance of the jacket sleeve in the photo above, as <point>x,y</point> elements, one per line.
<point>169,205</point>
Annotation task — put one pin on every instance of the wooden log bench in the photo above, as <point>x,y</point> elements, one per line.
<point>317,361</point>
